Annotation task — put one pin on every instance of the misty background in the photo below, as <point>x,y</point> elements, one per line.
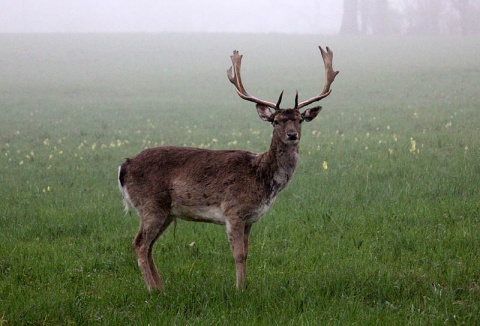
<point>371,17</point>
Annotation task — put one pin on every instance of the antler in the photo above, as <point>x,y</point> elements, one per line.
<point>236,79</point>
<point>330,75</point>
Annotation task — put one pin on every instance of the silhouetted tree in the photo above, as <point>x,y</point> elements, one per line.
<point>469,12</point>
<point>369,17</point>
<point>382,22</point>
<point>377,17</point>
<point>431,12</point>
<point>350,17</point>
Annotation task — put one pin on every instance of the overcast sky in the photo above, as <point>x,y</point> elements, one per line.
<point>85,16</point>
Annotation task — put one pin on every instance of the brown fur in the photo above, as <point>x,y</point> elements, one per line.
<point>230,187</point>
<point>233,187</point>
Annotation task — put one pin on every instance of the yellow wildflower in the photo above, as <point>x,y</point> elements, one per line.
<point>325,165</point>
<point>413,146</point>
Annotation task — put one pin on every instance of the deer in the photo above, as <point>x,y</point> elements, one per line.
<point>234,188</point>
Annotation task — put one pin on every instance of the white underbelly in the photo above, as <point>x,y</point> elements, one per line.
<point>215,214</point>
<point>209,214</point>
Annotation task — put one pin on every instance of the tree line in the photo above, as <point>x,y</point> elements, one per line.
<point>411,17</point>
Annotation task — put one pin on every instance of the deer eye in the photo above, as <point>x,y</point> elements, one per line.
<point>301,120</point>
<point>275,122</point>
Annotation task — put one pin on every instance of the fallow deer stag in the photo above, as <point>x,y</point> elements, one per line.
<point>229,187</point>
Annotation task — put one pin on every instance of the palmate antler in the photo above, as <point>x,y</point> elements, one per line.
<point>235,78</point>
<point>330,75</point>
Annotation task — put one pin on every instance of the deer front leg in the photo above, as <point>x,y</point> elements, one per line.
<point>236,238</point>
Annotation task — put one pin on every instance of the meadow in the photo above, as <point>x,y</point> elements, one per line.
<point>380,225</point>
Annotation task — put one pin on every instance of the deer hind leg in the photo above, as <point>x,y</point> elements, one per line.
<point>238,237</point>
<point>151,228</point>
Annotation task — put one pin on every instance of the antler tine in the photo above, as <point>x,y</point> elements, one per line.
<point>330,75</point>
<point>235,78</point>
<point>277,106</point>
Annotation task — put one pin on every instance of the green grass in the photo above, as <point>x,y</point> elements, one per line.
<point>389,233</point>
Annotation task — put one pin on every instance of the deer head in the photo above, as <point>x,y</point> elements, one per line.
<point>286,122</point>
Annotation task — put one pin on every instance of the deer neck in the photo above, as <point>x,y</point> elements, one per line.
<point>278,164</point>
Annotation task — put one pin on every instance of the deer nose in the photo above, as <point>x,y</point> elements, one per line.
<point>292,135</point>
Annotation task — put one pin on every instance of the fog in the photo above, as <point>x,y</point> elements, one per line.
<point>111,16</point>
<point>371,17</point>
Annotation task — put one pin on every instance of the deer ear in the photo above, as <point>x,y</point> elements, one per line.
<point>311,113</point>
<point>264,113</point>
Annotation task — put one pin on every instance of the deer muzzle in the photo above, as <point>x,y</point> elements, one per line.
<point>292,135</point>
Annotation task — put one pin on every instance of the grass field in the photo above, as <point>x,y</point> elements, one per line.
<point>381,224</point>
